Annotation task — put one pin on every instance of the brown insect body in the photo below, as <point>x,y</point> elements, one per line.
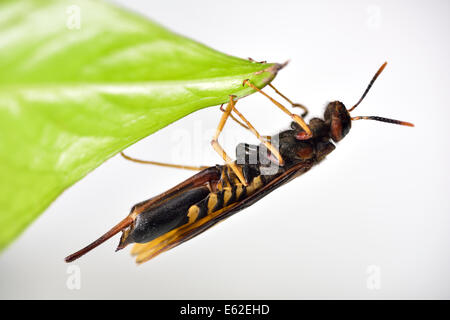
<point>223,187</point>
<point>165,221</point>
<point>201,197</point>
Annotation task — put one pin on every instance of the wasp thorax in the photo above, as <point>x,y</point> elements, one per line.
<point>338,118</point>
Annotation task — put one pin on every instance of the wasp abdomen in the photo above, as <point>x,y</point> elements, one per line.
<point>169,215</point>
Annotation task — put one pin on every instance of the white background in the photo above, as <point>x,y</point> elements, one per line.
<point>380,199</point>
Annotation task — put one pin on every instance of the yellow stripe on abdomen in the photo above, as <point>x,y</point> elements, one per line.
<point>193,213</point>
<point>212,201</point>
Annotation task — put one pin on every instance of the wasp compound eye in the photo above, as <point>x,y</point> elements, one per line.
<point>338,118</point>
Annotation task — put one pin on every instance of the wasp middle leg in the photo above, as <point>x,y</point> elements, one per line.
<point>234,118</point>
<point>218,148</point>
<point>263,139</point>
<point>298,119</point>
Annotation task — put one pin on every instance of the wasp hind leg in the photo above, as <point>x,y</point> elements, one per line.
<point>163,164</point>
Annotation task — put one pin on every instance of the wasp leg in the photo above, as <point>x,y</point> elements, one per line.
<point>234,118</point>
<point>264,140</point>
<point>299,120</point>
<point>163,164</point>
<point>253,60</point>
<point>218,148</point>
<point>294,105</point>
<point>243,125</point>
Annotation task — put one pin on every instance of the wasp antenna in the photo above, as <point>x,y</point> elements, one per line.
<point>114,230</point>
<point>376,118</point>
<point>369,86</point>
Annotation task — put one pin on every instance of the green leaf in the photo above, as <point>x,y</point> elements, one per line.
<point>70,97</point>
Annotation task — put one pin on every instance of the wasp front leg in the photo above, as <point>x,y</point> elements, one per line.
<point>293,104</point>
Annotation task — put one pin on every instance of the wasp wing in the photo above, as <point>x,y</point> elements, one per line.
<point>173,238</point>
<point>203,178</point>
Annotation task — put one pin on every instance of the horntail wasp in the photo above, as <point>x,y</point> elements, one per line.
<point>215,193</point>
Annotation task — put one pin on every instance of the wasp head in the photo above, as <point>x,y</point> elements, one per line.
<point>338,119</point>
